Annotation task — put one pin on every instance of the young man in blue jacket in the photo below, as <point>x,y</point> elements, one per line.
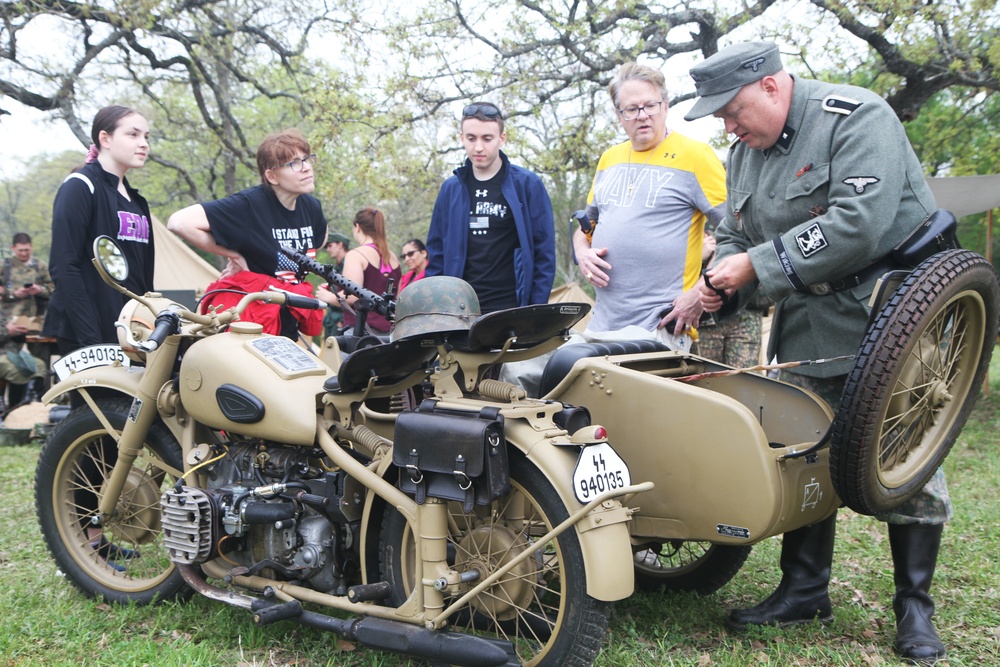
<point>492,224</point>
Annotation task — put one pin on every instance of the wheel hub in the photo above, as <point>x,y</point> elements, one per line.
<point>913,386</point>
<point>137,513</point>
<point>489,548</point>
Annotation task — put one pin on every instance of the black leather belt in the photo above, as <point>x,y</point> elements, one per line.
<point>863,276</point>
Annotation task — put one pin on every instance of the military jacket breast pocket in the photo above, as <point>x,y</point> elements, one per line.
<point>809,191</point>
<point>740,203</point>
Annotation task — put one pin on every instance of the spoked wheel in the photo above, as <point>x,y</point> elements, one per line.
<point>541,606</point>
<point>914,382</point>
<point>684,565</point>
<point>124,559</point>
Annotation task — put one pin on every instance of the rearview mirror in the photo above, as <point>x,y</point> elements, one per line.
<point>110,257</point>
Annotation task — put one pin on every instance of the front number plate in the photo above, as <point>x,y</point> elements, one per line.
<point>599,469</point>
<point>88,357</point>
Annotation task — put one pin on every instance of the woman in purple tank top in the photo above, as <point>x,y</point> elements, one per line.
<point>371,265</point>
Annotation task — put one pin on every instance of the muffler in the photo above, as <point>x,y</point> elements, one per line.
<point>453,648</point>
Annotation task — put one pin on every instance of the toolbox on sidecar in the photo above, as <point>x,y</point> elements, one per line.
<point>716,448</point>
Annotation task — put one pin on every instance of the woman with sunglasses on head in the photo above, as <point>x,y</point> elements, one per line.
<point>415,257</point>
<point>249,227</point>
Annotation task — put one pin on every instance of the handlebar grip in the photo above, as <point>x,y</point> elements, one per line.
<point>167,322</point>
<point>300,301</point>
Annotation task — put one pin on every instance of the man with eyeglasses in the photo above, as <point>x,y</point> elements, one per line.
<point>247,228</point>
<point>492,223</point>
<point>646,215</point>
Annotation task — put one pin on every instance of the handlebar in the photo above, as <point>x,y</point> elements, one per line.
<point>167,322</point>
<point>293,300</point>
<point>380,304</point>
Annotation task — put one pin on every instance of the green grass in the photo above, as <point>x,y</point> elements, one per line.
<point>45,621</point>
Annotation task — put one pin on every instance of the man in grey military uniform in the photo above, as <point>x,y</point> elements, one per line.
<point>822,183</point>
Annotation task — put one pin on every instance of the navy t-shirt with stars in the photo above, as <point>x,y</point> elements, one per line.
<point>489,262</point>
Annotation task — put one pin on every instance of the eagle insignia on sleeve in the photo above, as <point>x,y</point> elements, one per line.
<point>860,182</point>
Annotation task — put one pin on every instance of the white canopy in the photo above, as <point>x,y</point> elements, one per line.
<point>178,267</point>
<point>966,195</point>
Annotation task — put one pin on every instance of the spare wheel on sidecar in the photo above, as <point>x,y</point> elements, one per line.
<point>914,382</point>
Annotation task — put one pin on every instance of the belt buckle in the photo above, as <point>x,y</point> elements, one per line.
<point>820,289</point>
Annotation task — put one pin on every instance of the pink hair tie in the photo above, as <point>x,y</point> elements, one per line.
<point>92,154</point>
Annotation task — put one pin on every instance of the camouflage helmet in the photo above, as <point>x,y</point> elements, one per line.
<point>435,304</point>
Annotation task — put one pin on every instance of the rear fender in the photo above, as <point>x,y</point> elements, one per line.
<point>603,534</point>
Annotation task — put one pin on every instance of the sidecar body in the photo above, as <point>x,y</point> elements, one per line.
<point>727,454</point>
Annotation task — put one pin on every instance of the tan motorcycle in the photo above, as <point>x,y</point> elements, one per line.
<point>221,454</point>
<point>737,457</point>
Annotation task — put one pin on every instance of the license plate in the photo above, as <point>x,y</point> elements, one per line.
<point>88,357</point>
<point>599,469</point>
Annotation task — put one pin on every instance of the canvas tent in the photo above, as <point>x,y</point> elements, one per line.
<point>572,293</point>
<point>966,195</point>
<point>180,274</point>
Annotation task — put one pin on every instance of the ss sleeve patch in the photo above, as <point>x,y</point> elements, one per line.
<point>811,240</point>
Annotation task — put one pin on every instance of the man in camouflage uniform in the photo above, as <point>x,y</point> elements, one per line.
<point>822,183</point>
<point>27,287</point>
<point>734,341</point>
<point>27,284</point>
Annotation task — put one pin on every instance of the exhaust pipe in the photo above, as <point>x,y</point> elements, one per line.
<point>453,648</point>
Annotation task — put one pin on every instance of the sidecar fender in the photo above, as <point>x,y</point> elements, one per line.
<point>603,534</point>
<point>117,378</point>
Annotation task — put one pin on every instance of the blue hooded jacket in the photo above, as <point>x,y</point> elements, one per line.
<point>535,260</point>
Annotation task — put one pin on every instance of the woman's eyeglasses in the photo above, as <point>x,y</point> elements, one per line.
<point>487,110</point>
<point>297,163</point>
<point>407,255</point>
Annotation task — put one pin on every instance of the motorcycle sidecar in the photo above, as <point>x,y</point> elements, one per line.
<point>721,451</point>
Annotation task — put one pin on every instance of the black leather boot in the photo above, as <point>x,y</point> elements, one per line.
<point>914,555</point>
<point>15,394</point>
<point>33,391</point>
<point>801,597</point>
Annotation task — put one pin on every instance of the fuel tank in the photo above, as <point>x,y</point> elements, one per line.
<point>254,384</point>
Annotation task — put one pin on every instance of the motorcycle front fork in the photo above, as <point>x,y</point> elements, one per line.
<point>141,417</point>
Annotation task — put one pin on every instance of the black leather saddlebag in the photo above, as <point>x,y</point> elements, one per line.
<point>936,233</point>
<point>451,455</point>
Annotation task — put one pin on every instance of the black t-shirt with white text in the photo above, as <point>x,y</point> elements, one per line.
<point>489,261</point>
<point>253,222</point>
